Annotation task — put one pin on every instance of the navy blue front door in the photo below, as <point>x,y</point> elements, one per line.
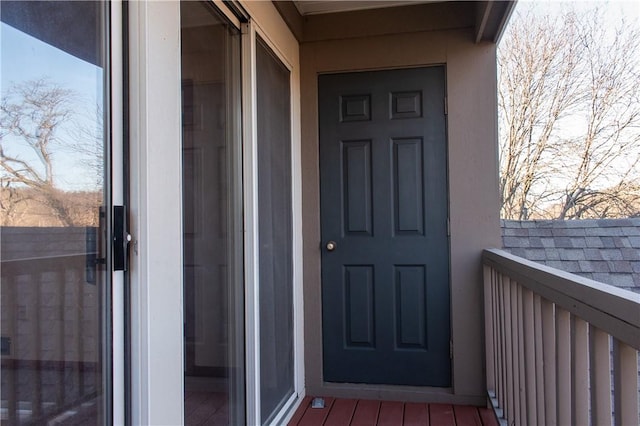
<point>385,250</point>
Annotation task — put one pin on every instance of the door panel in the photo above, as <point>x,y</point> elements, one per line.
<point>55,184</point>
<point>385,286</point>
<point>212,236</point>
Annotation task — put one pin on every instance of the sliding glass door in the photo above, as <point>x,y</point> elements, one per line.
<point>275,238</point>
<point>55,193</point>
<point>212,218</point>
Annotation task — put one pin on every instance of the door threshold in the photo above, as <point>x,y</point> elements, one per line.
<point>394,393</point>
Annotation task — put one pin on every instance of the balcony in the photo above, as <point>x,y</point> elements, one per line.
<point>560,349</point>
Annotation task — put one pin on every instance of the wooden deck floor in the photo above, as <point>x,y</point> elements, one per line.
<point>360,412</point>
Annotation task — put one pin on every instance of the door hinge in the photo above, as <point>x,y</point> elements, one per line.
<point>446,106</point>
<point>450,349</point>
<point>448,227</point>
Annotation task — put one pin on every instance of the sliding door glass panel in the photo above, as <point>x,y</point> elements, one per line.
<point>212,221</point>
<point>53,184</point>
<point>275,234</point>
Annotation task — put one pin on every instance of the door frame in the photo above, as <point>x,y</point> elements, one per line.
<point>474,220</point>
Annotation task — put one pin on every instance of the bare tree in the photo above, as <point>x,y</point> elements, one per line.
<point>31,115</point>
<point>569,117</point>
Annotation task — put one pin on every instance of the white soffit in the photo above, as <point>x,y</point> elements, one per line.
<point>316,7</point>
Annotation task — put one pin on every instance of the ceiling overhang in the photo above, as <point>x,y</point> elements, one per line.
<point>313,7</point>
<point>491,16</point>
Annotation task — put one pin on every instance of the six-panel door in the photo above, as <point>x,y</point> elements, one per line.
<point>385,280</point>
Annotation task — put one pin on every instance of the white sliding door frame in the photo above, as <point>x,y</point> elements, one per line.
<point>117,198</point>
<point>267,24</point>
<point>157,389</point>
<point>251,245</point>
<point>157,385</point>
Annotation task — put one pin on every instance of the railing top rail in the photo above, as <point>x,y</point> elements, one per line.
<point>612,309</point>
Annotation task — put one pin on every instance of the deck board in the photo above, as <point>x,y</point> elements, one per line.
<point>366,413</point>
<point>466,416</point>
<point>342,412</point>
<point>352,412</point>
<point>441,415</point>
<point>488,417</point>
<point>391,413</point>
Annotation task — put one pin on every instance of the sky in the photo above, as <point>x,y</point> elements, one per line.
<point>614,10</point>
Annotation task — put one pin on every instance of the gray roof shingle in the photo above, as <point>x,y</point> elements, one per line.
<point>605,250</point>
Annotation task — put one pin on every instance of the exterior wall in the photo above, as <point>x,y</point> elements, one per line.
<point>473,194</point>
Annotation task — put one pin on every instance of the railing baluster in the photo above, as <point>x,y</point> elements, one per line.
<point>59,372</point>
<point>539,370</point>
<point>625,367</point>
<point>580,371</point>
<point>549,359</point>
<point>498,313</point>
<point>563,365</point>
<point>522,401</point>
<point>36,402</point>
<point>530,356</point>
<point>9,284</point>
<point>515,350</point>
<point>38,382</point>
<point>550,343</point>
<point>600,359</point>
<point>488,329</point>
<point>508,325</point>
<point>80,337</point>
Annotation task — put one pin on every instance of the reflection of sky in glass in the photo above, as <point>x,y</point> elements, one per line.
<point>24,58</point>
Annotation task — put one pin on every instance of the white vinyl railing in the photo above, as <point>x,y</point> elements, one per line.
<point>560,349</point>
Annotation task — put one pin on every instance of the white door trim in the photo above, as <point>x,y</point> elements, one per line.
<point>156,213</point>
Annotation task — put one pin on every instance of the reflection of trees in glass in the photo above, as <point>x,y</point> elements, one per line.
<point>31,116</point>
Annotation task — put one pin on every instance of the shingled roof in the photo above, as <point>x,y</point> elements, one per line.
<point>604,250</point>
